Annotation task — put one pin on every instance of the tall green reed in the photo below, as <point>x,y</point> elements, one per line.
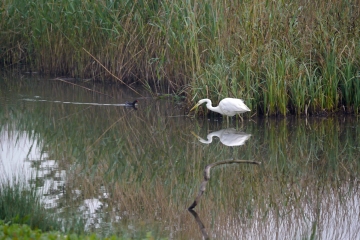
<point>299,34</point>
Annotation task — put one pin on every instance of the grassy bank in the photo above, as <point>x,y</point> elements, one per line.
<point>282,57</point>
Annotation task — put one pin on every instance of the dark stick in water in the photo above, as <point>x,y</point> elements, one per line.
<point>207,177</point>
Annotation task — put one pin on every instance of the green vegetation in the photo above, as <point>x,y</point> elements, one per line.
<point>281,56</point>
<point>21,231</point>
<point>20,204</point>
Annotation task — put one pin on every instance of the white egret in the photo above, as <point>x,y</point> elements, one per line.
<point>227,106</point>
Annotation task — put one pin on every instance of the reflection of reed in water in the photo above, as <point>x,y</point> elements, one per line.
<point>203,188</point>
<point>229,137</point>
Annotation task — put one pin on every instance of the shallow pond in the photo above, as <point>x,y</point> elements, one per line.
<point>124,169</point>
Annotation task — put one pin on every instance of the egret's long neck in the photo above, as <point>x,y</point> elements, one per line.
<point>205,141</point>
<point>215,109</point>
<point>210,137</point>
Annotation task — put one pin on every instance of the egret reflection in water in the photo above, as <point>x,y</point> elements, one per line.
<point>229,137</point>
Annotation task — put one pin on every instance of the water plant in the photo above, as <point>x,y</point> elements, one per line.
<point>22,231</point>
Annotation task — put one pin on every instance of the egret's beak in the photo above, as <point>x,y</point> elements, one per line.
<point>194,107</point>
<point>195,135</point>
<point>199,138</point>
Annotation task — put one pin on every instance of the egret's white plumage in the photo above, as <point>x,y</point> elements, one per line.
<point>227,106</point>
<point>229,137</point>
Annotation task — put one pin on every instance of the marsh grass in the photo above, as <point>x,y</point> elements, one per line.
<point>281,57</point>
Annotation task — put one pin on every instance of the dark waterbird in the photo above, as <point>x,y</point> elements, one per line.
<point>131,104</point>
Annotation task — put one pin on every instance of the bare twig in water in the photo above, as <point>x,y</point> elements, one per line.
<point>207,177</point>
<point>201,225</point>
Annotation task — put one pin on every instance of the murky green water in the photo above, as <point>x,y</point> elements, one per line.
<point>122,169</point>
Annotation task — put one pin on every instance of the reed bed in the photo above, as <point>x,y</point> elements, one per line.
<point>282,57</point>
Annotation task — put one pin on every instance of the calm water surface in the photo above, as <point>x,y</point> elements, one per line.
<point>122,169</point>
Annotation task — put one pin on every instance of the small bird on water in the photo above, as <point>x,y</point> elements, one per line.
<point>227,106</point>
<point>131,104</point>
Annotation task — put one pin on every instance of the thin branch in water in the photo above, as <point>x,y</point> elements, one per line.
<point>201,225</point>
<point>207,177</point>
